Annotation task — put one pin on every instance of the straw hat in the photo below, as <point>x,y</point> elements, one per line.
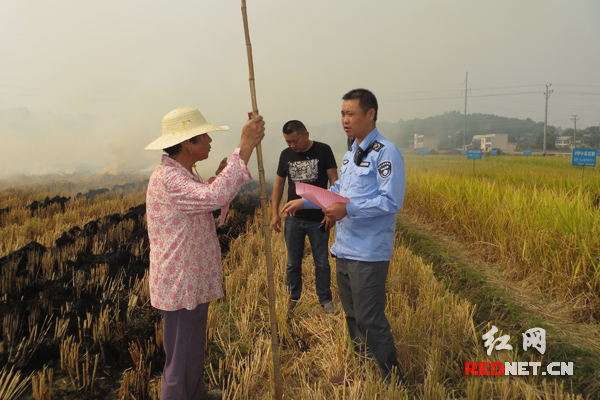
<point>180,125</point>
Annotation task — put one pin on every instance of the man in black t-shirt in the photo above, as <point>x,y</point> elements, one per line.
<point>309,162</point>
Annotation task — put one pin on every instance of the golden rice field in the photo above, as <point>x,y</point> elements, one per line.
<point>433,328</point>
<point>76,320</point>
<point>538,217</point>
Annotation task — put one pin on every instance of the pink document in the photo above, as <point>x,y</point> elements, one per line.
<point>318,196</point>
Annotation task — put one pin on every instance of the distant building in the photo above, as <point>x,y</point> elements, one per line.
<point>493,141</point>
<point>432,143</point>
<point>562,142</point>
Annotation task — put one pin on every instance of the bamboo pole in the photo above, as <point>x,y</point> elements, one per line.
<point>266,223</point>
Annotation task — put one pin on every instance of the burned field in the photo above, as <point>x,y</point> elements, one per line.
<point>76,322</point>
<point>76,316</point>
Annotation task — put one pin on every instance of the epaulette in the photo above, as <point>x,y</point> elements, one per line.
<point>377,146</point>
<point>360,154</point>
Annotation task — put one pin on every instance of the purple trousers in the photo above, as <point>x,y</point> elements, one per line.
<point>184,340</point>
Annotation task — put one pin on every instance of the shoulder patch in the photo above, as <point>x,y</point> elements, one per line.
<point>385,169</point>
<point>377,146</point>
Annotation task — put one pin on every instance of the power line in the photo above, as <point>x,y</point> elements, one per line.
<point>459,90</point>
<point>574,100</point>
<point>460,97</point>
<point>581,98</point>
<point>504,94</point>
<point>427,98</point>
<point>584,93</point>
<point>507,87</point>
<point>574,106</point>
<point>428,91</point>
<point>53,96</point>
<point>576,85</point>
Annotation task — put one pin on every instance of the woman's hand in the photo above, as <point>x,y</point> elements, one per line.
<point>222,166</point>
<point>252,134</point>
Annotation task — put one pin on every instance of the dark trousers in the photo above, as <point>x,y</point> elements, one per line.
<point>295,230</point>
<point>184,339</point>
<point>362,293</point>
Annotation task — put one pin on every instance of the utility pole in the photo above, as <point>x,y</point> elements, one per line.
<point>547,95</point>
<point>574,119</point>
<point>465,130</point>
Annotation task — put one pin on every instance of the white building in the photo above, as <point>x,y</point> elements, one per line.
<point>492,141</point>
<point>562,141</point>
<point>421,141</point>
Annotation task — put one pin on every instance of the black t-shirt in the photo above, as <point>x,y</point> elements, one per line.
<point>308,167</point>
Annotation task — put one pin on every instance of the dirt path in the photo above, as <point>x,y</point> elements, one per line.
<point>531,303</point>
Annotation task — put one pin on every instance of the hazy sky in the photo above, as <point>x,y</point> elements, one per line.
<point>86,83</point>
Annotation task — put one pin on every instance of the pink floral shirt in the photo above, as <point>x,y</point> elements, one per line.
<point>185,255</point>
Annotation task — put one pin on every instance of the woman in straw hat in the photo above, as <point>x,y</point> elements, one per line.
<point>185,256</point>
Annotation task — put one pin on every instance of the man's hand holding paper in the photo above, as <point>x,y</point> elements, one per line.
<point>334,213</point>
<point>332,204</point>
<point>320,197</point>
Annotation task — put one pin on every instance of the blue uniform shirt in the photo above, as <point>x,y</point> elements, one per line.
<point>376,192</point>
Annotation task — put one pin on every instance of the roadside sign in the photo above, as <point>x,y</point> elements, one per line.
<point>463,152</point>
<point>494,152</point>
<point>474,154</point>
<point>526,152</point>
<point>423,151</point>
<point>584,157</point>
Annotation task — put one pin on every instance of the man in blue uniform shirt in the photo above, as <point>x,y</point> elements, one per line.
<point>372,177</point>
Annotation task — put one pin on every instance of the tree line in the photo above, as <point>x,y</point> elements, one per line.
<point>450,126</point>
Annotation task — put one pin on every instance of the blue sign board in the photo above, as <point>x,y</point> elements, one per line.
<point>463,152</point>
<point>526,152</point>
<point>494,152</point>
<point>474,154</point>
<point>423,151</point>
<point>583,157</point>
